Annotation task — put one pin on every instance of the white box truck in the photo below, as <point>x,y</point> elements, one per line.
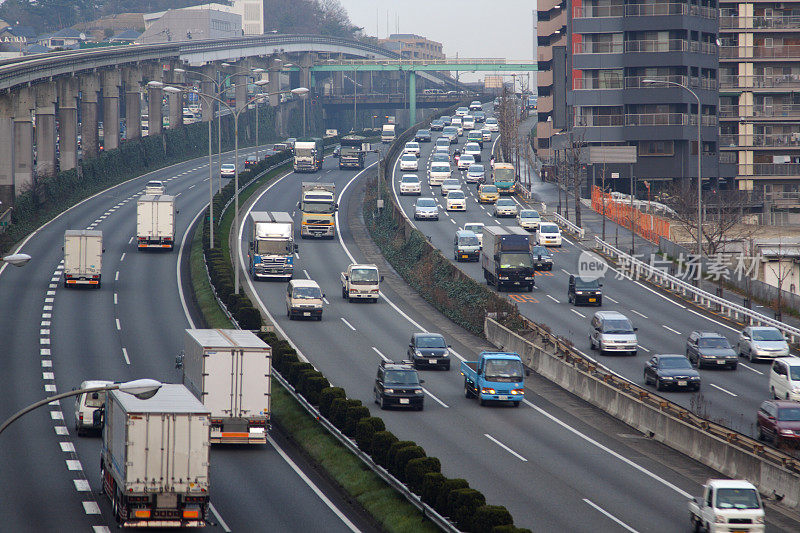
<point>83,257</point>
<point>388,133</point>
<point>229,370</point>
<point>155,458</point>
<point>155,221</point>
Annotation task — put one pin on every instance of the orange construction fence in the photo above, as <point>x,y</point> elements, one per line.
<point>651,227</point>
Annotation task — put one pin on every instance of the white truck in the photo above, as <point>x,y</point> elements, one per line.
<point>155,221</point>
<point>361,282</point>
<point>229,370</point>
<point>727,505</point>
<point>154,461</point>
<point>388,133</point>
<point>83,257</point>
<point>272,247</point>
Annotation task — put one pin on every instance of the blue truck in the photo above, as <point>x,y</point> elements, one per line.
<point>495,376</point>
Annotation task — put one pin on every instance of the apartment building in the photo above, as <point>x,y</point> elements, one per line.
<point>616,73</point>
<point>760,102</point>
<point>411,46</point>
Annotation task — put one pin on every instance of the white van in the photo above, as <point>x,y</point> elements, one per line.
<point>468,122</point>
<point>304,299</point>
<point>87,404</point>
<point>437,173</point>
<point>784,378</point>
<point>612,332</point>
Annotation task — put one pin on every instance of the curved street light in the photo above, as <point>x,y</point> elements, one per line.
<point>16,260</point>
<point>143,389</point>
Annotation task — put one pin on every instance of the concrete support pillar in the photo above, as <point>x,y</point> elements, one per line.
<point>90,142</point>
<point>6,152</point>
<point>46,129</point>
<point>175,101</point>
<point>306,61</point>
<point>154,120</point>
<point>412,98</point>
<point>241,90</point>
<point>112,80</point>
<point>208,106</point>
<point>133,103</point>
<point>274,82</point>
<point>68,123</point>
<point>23,140</point>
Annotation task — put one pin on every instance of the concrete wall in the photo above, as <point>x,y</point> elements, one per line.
<point>649,418</point>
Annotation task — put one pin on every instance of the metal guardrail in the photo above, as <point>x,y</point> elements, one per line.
<point>637,268</point>
<point>427,511</point>
<point>571,226</point>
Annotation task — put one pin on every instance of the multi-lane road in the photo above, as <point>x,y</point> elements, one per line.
<point>54,338</point>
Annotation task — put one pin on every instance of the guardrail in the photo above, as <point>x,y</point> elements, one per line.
<point>635,268</point>
<point>571,226</point>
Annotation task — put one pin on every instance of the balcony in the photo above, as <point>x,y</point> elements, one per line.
<point>782,81</point>
<point>596,84</point>
<point>599,120</point>
<point>760,52</point>
<point>597,48</point>
<point>650,10</point>
<point>544,104</point>
<point>759,23</point>
<point>760,140</point>
<point>544,78</point>
<point>667,119</point>
<point>591,12</point>
<point>549,27</point>
<point>760,111</point>
<point>670,45</point>
<point>637,82</point>
<point>776,169</point>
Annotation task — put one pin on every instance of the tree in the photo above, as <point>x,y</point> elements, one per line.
<point>782,269</point>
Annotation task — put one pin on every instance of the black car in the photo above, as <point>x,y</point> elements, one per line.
<point>447,120</point>
<point>671,371</point>
<point>429,350</point>
<point>437,125</point>
<point>542,258</point>
<point>398,385</point>
<point>337,150</point>
<point>250,162</point>
<point>708,348</point>
<point>423,136</point>
<point>480,117</point>
<point>585,291</point>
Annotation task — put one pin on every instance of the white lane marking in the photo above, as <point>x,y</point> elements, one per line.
<point>451,220</point>
<point>556,301</point>
<point>611,516</point>
<point>67,446</point>
<point>116,276</point>
<point>608,450</point>
<point>74,464</point>
<point>44,332</point>
<point>565,272</point>
<point>306,273</point>
<point>192,186</point>
<point>348,323</point>
<point>612,300</point>
<point>567,240</point>
<point>325,300</point>
<point>220,521</point>
<point>643,348</point>
<point>121,259</point>
<point>48,308</point>
<point>670,329</point>
<point>49,300</point>
<point>723,390</point>
<point>178,270</point>
<point>506,448</point>
<point>440,402</point>
<point>377,351</point>
<point>119,327</point>
<point>91,508</point>
<point>312,486</point>
<point>638,313</point>
<point>56,415</point>
<point>50,388</point>
<point>61,430</point>
<point>115,298</point>
<point>48,375</point>
<point>44,341</point>
<point>82,485</point>
<point>47,363</point>
<point>750,368</point>
<point>53,285</point>
<point>578,313</point>
<point>44,351</point>
<point>125,355</point>
<point>130,241</point>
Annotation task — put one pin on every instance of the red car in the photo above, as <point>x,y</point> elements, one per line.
<point>779,420</point>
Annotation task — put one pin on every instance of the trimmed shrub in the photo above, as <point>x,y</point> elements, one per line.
<point>352,417</point>
<point>461,506</point>
<point>448,486</point>
<point>488,517</point>
<point>381,442</point>
<point>431,487</point>
<point>294,370</point>
<point>313,386</point>
<point>417,468</point>
<point>339,411</point>
<point>286,360</point>
<point>326,397</point>
<point>302,379</point>
<point>270,337</point>
<point>402,457</point>
<point>248,317</point>
<point>392,452</point>
<point>365,430</point>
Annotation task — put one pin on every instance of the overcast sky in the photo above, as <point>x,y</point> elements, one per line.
<point>471,28</point>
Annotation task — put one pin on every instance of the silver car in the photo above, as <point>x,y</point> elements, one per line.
<point>505,207</point>
<point>426,209</point>
<point>475,174</point>
<point>761,342</point>
<point>450,185</point>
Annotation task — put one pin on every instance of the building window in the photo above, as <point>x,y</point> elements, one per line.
<point>656,148</point>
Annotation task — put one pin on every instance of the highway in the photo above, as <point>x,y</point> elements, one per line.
<point>132,327</point>
<point>728,397</point>
<point>557,464</point>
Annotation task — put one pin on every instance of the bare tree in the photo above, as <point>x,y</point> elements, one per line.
<point>782,269</point>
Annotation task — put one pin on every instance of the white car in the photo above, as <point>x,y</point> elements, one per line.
<point>461,111</point>
<point>409,162</point>
<point>442,150</point>
<point>476,228</point>
<point>529,219</point>
<point>459,125</point>
<point>87,404</point>
<point>473,149</point>
<point>227,170</point>
<point>475,106</point>
<point>410,184</point>
<point>412,147</point>
<point>548,234</point>
<point>487,135</point>
<point>468,122</point>
<point>456,201</point>
<point>492,125</point>
<point>437,173</point>
<point>154,187</point>
<point>465,161</point>
<point>442,142</point>
<point>505,207</point>
<point>449,185</point>
<point>475,174</point>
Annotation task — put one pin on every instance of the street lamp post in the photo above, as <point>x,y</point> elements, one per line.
<point>141,388</point>
<point>699,159</point>
<point>299,91</point>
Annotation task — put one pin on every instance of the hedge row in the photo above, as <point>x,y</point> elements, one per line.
<point>404,459</point>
